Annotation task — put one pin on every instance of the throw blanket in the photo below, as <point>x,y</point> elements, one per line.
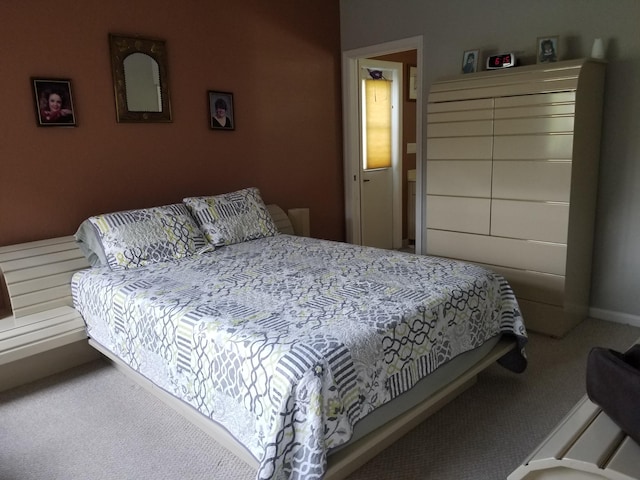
<point>288,341</point>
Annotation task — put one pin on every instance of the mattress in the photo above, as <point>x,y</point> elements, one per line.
<point>288,342</point>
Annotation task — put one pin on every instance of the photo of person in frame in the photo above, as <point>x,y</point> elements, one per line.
<point>470,61</point>
<point>54,103</point>
<point>221,110</point>
<point>547,50</point>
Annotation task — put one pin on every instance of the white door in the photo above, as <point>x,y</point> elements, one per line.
<point>380,162</point>
<point>353,173</point>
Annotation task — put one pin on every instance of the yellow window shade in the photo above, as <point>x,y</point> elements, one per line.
<point>378,123</point>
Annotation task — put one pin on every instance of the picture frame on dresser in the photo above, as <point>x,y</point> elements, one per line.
<point>470,61</point>
<point>221,113</point>
<point>547,49</point>
<point>53,102</point>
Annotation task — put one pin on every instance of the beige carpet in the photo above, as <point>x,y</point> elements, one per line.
<point>93,423</point>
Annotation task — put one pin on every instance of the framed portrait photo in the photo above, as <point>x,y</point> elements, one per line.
<point>547,49</point>
<point>470,61</point>
<point>53,102</point>
<point>221,113</point>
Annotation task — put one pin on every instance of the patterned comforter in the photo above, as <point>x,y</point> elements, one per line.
<point>288,341</point>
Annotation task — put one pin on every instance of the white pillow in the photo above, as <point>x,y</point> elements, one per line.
<point>135,238</point>
<point>232,217</point>
<point>88,240</point>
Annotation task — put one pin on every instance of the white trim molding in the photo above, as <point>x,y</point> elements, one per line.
<point>612,316</point>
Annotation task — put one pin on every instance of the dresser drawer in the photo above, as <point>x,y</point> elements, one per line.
<point>459,214</point>
<point>534,286</point>
<point>547,222</point>
<point>461,116</point>
<point>533,125</point>
<point>463,106</point>
<point>471,178</point>
<point>540,99</point>
<point>503,252</point>
<point>542,180</point>
<point>465,148</point>
<point>530,111</point>
<point>460,129</point>
<point>533,147</point>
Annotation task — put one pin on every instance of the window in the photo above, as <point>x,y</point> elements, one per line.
<point>376,123</point>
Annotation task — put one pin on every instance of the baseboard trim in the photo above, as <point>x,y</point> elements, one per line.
<point>612,316</point>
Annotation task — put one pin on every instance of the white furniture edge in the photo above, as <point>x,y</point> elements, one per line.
<point>36,277</point>
<point>585,445</point>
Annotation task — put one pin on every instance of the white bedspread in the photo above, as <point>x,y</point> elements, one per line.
<point>288,341</point>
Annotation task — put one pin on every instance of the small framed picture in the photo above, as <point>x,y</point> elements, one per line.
<point>470,61</point>
<point>221,110</point>
<point>54,102</point>
<point>547,49</point>
<point>412,86</point>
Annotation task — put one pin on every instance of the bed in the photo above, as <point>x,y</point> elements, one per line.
<point>294,348</point>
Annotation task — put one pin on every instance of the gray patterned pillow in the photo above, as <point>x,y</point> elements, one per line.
<point>135,238</point>
<point>232,217</point>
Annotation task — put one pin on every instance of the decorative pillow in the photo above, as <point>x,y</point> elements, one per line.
<point>232,217</point>
<point>90,245</point>
<point>135,238</point>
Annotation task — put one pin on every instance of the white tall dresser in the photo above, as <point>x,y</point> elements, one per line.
<point>512,175</point>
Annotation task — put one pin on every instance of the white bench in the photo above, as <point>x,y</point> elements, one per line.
<point>586,445</point>
<point>41,333</point>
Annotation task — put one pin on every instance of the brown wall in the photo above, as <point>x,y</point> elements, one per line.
<point>281,60</point>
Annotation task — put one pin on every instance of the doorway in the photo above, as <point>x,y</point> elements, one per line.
<point>354,177</point>
<point>381,158</point>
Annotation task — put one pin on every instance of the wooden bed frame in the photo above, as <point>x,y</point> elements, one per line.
<point>37,279</point>
<point>347,460</point>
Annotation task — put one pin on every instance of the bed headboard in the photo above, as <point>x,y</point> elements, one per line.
<point>36,276</point>
<point>281,219</point>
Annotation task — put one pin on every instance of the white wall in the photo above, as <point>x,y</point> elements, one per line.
<point>450,27</point>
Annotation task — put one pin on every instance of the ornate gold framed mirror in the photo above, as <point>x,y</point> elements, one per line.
<point>140,80</point>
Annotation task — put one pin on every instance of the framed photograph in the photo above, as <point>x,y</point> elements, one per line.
<point>412,86</point>
<point>221,110</point>
<point>54,102</point>
<point>547,49</point>
<point>470,61</point>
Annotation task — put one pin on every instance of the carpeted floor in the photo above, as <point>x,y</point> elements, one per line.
<point>93,423</point>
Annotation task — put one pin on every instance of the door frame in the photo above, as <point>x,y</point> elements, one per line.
<point>351,133</point>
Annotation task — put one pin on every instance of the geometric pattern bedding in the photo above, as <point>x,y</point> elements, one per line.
<point>288,341</point>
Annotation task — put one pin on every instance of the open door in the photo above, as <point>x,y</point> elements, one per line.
<point>381,159</point>
<point>357,193</point>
